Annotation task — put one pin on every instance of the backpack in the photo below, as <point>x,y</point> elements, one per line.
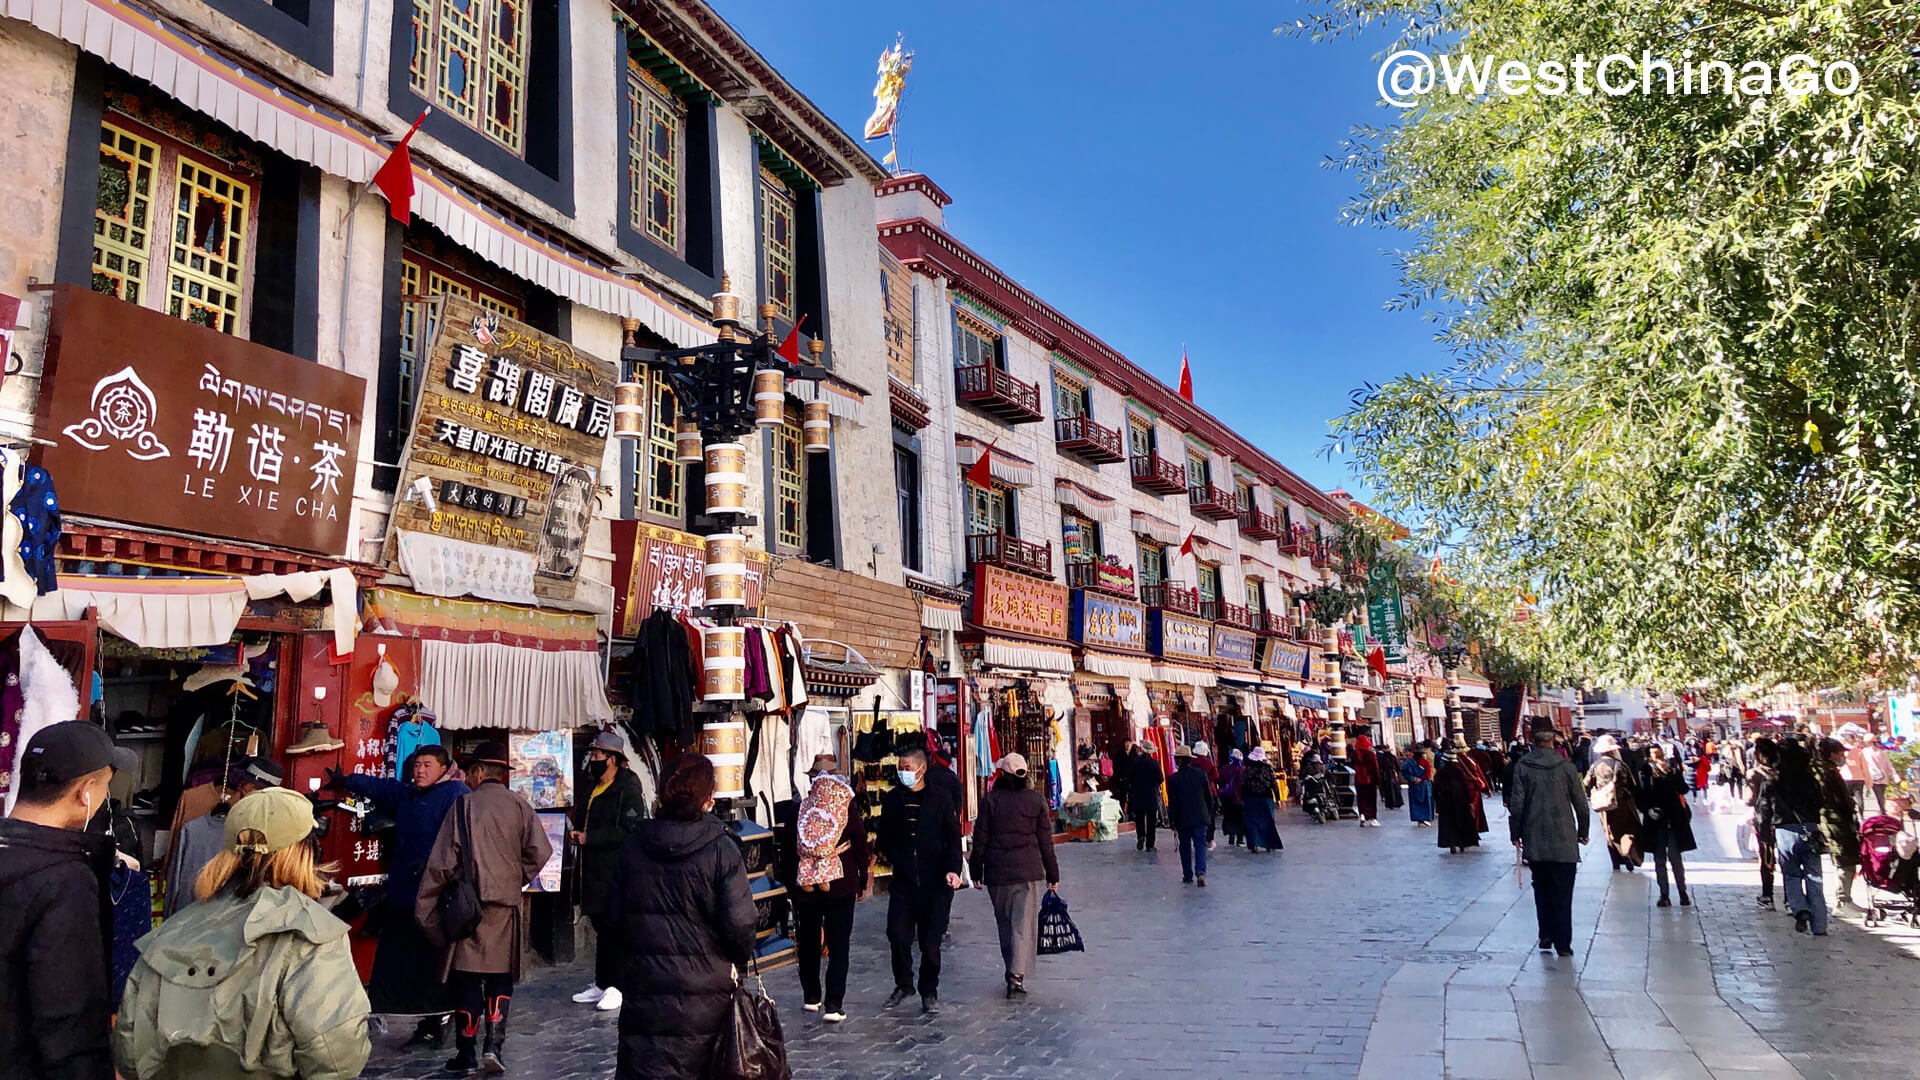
<point>823,817</point>
<point>1604,796</point>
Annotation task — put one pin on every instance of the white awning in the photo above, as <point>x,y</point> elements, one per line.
<point>1119,667</point>
<point>1156,528</point>
<point>203,80</point>
<point>1185,676</point>
<point>999,652</point>
<point>153,613</point>
<point>484,685</point>
<point>1087,501</point>
<point>940,615</point>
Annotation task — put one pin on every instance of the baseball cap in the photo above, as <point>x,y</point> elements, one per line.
<point>269,820</point>
<point>1014,764</point>
<point>265,771</point>
<point>71,749</point>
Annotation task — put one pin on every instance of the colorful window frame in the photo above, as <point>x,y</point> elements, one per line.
<point>666,477</point>
<point>1153,563</point>
<point>469,57</point>
<point>989,509</point>
<point>779,210</point>
<point>123,213</point>
<point>975,343</point>
<point>656,153</point>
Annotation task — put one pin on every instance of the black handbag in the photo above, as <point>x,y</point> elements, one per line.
<point>460,900</point>
<point>752,1046</point>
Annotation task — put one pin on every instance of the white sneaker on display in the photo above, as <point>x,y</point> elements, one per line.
<point>588,996</point>
<point>609,1001</point>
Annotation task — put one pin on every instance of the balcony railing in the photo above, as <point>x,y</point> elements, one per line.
<point>1211,502</point>
<point>1081,437</point>
<point>1273,624</point>
<point>1297,542</point>
<point>1256,524</point>
<point>1210,609</point>
<point>1236,616</point>
<point>1104,579</point>
<point>1172,596</point>
<point>1153,473</point>
<point>998,394</point>
<point>1010,553</point>
<point>1321,553</point>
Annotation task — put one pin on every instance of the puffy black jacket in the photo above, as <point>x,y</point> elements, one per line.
<point>608,819</point>
<point>683,912</point>
<point>55,923</point>
<point>1013,836</point>
<point>1190,799</point>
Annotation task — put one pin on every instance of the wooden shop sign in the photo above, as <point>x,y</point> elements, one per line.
<point>1004,600</point>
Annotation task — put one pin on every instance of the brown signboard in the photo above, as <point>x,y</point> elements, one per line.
<point>660,568</point>
<point>160,422</point>
<point>509,431</point>
<point>1004,600</point>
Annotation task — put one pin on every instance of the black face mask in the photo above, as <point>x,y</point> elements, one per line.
<point>599,768</point>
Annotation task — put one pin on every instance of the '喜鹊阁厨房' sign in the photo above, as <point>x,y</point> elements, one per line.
<point>157,421</point>
<point>1107,623</point>
<point>1177,637</point>
<point>509,431</point>
<point>1004,600</point>
<point>1232,646</point>
<point>659,568</point>
<point>1286,659</point>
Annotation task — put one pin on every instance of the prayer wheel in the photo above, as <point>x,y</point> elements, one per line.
<point>726,304</point>
<point>724,677</point>
<point>727,478</point>
<point>816,428</point>
<point>1337,732</point>
<point>686,443</point>
<point>725,744</point>
<point>769,398</point>
<point>630,410</point>
<point>726,572</point>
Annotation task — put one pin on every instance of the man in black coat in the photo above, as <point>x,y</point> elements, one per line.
<point>1143,794</point>
<point>54,917</point>
<point>613,808</point>
<point>920,837</point>
<point>1190,807</point>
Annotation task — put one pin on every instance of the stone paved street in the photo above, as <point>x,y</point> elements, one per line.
<point>1353,953</point>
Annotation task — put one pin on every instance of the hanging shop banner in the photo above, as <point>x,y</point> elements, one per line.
<point>1232,646</point>
<point>1108,623</point>
<point>157,421</point>
<point>1353,672</point>
<point>659,568</point>
<point>1176,636</point>
<point>508,432</point>
<point>1385,617</point>
<point>1004,600</point>
<point>1287,659</point>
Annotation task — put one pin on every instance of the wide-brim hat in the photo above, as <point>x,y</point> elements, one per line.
<point>1182,750</point>
<point>609,743</point>
<point>491,752</point>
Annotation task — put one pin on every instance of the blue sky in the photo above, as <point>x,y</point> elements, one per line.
<point>1157,179</point>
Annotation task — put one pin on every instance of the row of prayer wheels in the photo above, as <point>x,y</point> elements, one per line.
<point>769,411</point>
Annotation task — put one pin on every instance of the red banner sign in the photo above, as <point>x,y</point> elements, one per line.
<point>1004,600</point>
<point>656,567</point>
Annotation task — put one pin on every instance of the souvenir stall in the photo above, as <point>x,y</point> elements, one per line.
<point>1020,667</point>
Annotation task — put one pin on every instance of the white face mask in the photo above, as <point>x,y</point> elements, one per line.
<point>908,777</point>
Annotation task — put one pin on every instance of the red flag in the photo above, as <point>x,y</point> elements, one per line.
<point>1186,546</point>
<point>790,349</point>
<point>1186,378</point>
<point>395,178</point>
<point>980,473</point>
<point>1377,660</point>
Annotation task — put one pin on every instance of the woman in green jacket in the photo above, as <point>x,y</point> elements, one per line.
<point>256,980</point>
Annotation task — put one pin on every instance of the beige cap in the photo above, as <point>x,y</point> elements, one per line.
<point>385,681</point>
<point>268,820</point>
<point>1014,764</point>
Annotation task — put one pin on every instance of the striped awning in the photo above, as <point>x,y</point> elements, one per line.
<point>1118,667</point>
<point>940,615</point>
<point>1086,500</point>
<point>202,79</point>
<point>1156,528</point>
<point>1000,652</point>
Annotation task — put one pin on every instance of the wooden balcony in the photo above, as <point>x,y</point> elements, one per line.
<point>1172,596</point>
<point>1235,616</point>
<point>1010,553</point>
<point>1256,524</point>
<point>998,394</point>
<point>1161,477</point>
<point>1320,553</point>
<point>1273,624</point>
<point>1088,576</point>
<point>1212,503</point>
<point>910,411</point>
<point>1088,441</point>
<point>1210,609</point>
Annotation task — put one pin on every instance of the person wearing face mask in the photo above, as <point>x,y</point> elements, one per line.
<point>920,836</point>
<point>681,915</point>
<point>406,968</point>
<point>54,916</point>
<point>615,807</point>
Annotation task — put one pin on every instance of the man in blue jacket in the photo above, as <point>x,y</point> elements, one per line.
<point>406,969</point>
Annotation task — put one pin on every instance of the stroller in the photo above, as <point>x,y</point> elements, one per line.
<point>1890,865</point>
<point>1315,798</point>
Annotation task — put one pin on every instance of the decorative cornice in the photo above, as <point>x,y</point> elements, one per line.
<point>925,248</point>
<point>915,182</point>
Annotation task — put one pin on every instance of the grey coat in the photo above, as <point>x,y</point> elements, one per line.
<point>1548,814</point>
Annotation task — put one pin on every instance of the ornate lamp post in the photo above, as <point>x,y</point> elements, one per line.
<point>1451,656</point>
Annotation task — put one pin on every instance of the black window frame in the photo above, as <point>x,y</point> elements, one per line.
<point>809,246</point>
<point>304,28</point>
<point>544,170</point>
<point>906,485</point>
<point>705,260</point>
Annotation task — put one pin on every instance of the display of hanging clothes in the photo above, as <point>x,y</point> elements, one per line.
<point>38,693</point>
<point>132,894</point>
<point>17,586</point>
<point>665,680</point>
<point>411,728</point>
<point>35,506</point>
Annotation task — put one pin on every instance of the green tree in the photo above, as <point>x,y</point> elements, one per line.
<point>1685,331</point>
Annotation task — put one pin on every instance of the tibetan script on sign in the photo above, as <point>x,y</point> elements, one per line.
<point>509,430</point>
<point>656,568</point>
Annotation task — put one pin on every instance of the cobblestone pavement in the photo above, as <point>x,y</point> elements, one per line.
<point>1356,952</point>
